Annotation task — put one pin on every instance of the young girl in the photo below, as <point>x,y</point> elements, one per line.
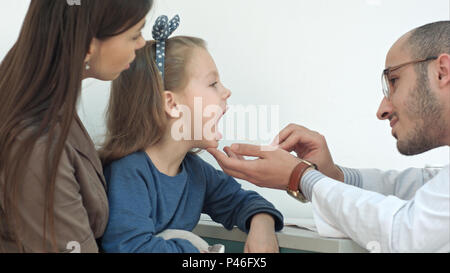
<point>154,182</point>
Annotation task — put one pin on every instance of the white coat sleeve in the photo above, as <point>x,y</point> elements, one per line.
<point>420,224</point>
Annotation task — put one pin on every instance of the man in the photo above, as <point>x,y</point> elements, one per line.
<point>392,211</point>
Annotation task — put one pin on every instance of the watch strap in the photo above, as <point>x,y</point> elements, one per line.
<point>295,178</point>
<point>296,175</point>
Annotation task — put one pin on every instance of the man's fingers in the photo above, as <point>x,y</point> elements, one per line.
<point>226,162</point>
<point>247,150</point>
<point>230,153</point>
<point>287,132</point>
<point>218,155</point>
<point>282,135</point>
<point>299,137</point>
<point>290,143</point>
<point>237,168</point>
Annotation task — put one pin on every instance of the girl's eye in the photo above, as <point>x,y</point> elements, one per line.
<point>214,84</point>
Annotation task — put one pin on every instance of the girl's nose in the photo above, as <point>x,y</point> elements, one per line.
<point>227,93</point>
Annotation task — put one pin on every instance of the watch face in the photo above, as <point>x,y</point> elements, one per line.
<point>297,195</point>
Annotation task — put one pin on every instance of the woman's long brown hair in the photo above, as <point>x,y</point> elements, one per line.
<point>135,116</point>
<point>40,83</point>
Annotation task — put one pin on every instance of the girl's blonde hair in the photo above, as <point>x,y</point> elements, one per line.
<point>136,118</point>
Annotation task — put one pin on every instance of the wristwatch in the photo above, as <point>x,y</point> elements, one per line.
<point>296,176</point>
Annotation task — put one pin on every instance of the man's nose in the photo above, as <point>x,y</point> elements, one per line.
<point>385,109</point>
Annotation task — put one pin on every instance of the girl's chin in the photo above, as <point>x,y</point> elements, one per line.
<point>206,144</point>
<point>212,144</point>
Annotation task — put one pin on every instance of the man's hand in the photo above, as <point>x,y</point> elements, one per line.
<point>261,236</point>
<point>311,146</point>
<point>271,169</point>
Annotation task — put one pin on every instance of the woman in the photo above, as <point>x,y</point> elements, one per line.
<point>52,189</point>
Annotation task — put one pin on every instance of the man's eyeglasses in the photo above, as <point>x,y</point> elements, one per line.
<point>385,82</point>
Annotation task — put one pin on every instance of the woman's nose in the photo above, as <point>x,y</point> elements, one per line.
<point>384,110</point>
<point>141,43</point>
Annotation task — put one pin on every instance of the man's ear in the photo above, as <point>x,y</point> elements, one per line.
<point>170,104</point>
<point>443,63</point>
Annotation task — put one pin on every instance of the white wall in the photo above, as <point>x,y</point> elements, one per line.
<point>319,61</point>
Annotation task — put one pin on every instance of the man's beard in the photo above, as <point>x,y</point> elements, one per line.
<point>424,108</point>
<point>418,140</point>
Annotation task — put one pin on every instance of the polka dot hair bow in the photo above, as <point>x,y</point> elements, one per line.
<point>162,29</point>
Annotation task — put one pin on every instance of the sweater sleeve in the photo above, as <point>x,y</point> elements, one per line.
<point>402,184</point>
<point>130,227</point>
<point>227,203</point>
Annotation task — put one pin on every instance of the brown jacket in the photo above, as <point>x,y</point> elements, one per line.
<point>81,205</point>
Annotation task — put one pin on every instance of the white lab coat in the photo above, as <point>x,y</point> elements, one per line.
<point>392,211</point>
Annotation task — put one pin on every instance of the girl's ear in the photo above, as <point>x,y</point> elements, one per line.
<point>170,104</point>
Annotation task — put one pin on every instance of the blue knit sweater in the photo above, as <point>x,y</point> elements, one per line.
<point>144,202</point>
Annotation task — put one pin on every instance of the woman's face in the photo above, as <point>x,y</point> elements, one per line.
<point>108,58</point>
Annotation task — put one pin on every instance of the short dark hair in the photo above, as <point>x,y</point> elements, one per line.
<point>430,40</point>
<point>426,41</point>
